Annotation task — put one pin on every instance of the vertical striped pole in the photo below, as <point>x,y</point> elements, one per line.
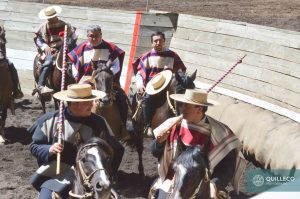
<point>135,37</point>
<point>219,80</point>
<point>61,105</point>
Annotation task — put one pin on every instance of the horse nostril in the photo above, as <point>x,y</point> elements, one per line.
<point>98,186</point>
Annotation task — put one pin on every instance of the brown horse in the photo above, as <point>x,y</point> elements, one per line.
<point>6,99</point>
<point>54,77</point>
<point>107,107</point>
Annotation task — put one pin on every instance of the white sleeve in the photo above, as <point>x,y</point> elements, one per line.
<point>115,66</point>
<point>139,80</point>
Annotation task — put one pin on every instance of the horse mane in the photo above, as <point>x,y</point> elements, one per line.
<point>2,36</point>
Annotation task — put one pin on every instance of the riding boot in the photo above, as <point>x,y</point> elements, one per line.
<point>148,113</point>
<point>17,92</point>
<point>45,70</point>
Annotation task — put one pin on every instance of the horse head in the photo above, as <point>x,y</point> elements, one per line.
<point>104,79</point>
<point>184,81</point>
<point>191,175</point>
<point>92,170</point>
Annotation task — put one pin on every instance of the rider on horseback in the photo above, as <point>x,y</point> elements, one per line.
<point>97,50</point>
<point>17,92</point>
<point>48,42</point>
<point>80,124</point>
<point>147,66</point>
<point>216,140</point>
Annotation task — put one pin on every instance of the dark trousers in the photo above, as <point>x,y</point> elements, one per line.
<point>149,105</point>
<point>45,70</point>
<point>47,194</point>
<point>118,153</point>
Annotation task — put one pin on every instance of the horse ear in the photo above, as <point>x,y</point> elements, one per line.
<point>177,77</point>
<point>197,156</point>
<point>94,65</point>
<point>193,76</point>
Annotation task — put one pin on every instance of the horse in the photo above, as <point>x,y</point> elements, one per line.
<point>92,172</point>
<point>107,106</point>
<point>55,74</point>
<point>6,99</point>
<point>191,175</point>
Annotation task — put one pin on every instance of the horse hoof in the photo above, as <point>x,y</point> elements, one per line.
<point>2,141</point>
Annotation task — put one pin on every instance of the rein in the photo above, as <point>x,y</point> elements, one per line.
<point>86,178</point>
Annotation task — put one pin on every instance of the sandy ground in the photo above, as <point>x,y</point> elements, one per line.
<point>17,164</point>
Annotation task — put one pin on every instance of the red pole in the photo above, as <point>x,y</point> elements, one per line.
<point>219,80</point>
<point>134,42</point>
<point>61,105</point>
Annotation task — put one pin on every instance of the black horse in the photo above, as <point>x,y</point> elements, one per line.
<point>93,171</point>
<point>191,175</point>
<point>179,83</point>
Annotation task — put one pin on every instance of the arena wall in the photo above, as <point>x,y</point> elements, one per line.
<point>259,100</point>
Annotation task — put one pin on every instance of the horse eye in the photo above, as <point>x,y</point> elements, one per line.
<point>83,160</point>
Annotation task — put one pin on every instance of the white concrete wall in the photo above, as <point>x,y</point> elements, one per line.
<point>20,20</point>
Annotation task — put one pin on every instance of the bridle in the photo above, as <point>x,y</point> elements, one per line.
<point>89,190</point>
<point>110,95</point>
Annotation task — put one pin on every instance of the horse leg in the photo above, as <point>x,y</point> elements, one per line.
<point>2,124</point>
<point>140,149</point>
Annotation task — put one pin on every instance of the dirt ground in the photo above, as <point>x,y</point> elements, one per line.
<point>283,14</point>
<point>17,164</point>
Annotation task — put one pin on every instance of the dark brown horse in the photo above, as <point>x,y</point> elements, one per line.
<point>107,106</point>
<point>6,99</point>
<point>54,77</point>
<point>92,171</point>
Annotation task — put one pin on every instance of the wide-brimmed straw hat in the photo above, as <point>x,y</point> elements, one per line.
<point>159,82</point>
<point>49,12</point>
<point>79,93</point>
<point>194,96</point>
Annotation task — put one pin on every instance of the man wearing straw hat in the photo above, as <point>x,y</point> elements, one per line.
<point>80,124</point>
<point>194,127</point>
<point>150,64</point>
<point>48,41</point>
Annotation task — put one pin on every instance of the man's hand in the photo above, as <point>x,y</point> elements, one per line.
<point>55,148</point>
<point>163,137</point>
<point>47,50</point>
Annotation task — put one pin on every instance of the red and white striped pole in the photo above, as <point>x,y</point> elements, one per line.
<point>218,81</point>
<point>61,106</point>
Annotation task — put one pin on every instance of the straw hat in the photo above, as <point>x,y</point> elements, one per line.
<point>49,12</point>
<point>194,96</point>
<point>159,82</point>
<point>79,93</point>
